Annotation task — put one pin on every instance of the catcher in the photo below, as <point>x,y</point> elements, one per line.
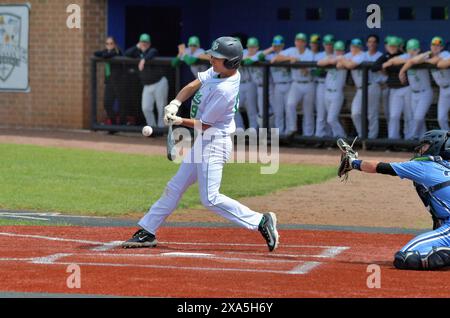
<point>429,170</point>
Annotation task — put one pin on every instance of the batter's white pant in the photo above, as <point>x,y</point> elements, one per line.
<point>279,102</point>
<point>248,101</point>
<point>203,164</point>
<point>399,102</point>
<point>374,94</point>
<point>322,128</point>
<point>334,100</point>
<point>420,104</point>
<point>443,107</point>
<point>158,93</point>
<point>304,93</point>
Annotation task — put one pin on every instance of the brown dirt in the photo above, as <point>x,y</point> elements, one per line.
<point>365,200</point>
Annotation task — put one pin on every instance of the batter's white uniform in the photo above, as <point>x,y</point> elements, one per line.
<point>442,79</point>
<point>248,98</point>
<point>421,99</point>
<point>214,104</point>
<point>195,69</point>
<point>280,80</point>
<point>334,98</point>
<point>301,90</point>
<point>322,128</point>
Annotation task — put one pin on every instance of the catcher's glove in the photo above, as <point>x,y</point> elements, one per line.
<point>347,157</point>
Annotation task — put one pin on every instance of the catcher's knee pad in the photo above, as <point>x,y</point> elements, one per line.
<point>408,260</point>
<point>438,257</point>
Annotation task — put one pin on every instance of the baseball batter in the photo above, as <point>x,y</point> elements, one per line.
<point>420,83</point>
<point>280,80</point>
<point>301,89</point>
<point>212,112</point>
<point>334,89</point>
<point>430,172</point>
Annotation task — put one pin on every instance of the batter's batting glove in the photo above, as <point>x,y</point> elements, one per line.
<point>172,108</point>
<point>172,120</point>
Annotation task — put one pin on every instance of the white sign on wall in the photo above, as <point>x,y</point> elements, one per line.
<point>14,47</point>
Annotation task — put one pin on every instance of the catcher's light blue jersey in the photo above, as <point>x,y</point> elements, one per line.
<point>428,174</point>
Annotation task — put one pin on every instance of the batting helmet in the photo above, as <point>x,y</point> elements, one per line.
<point>227,48</point>
<point>439,143</point>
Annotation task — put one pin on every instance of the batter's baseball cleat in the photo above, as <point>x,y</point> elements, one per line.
<point>268,229</point>
<point>141,238</point>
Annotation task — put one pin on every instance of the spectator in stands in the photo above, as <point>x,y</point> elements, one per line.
<point>156,85</point>
<point>112,79</point>
<point>191,56</point>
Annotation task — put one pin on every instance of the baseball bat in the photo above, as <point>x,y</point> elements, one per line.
<point>170,145</point>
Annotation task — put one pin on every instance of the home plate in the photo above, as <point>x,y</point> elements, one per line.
<point>181,254</point>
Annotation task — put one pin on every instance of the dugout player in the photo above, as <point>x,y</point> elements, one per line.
<point>213,107</point>
<point>430,172</point>
<point>191,55</point>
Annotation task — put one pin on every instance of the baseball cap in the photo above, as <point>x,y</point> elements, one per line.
<point>278,40</point>
<point>356,42</point>
<point>437,40</point>
<point>194,41</point>
<point>252,42</point>
<point>388,38</point>
<point>144,38</point>
<point>314,38</point>
<point>301,36</point>
<point>328,39</point>
<point>393,41</point>
<point>339,46</point>
<point>413,44</point>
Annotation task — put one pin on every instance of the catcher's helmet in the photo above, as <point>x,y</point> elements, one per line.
<point>227,48</point>
<point>439,143</point>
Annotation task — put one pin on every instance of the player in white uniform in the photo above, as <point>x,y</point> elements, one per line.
<point>441,76</point>
<point>319,74</point>
<point>420,83</point>
<point>191,55</point>
<point>334,89</point>
<point>215,102</point>
<point>375,80</point>
<point>302,87</point>
<point>280,80</point>
<point>248,89</point>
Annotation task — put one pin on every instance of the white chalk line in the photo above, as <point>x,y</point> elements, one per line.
<point>329,252</point>
<point>46,214</point>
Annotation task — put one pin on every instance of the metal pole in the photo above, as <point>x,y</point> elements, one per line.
<point>365,101</point>
<point>93,93</point>
<point>266,97</point>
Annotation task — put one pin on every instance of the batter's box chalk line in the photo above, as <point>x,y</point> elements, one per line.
<point>101,249</point>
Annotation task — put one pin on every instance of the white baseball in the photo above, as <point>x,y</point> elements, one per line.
<point>147,131</point>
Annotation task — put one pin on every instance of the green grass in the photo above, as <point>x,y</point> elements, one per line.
<point>112,184</point>
<point>8,222</point>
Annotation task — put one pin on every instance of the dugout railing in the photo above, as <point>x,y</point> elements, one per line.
<point>128,85</point>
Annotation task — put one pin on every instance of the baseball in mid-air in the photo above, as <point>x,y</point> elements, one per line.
<point>147,131</point>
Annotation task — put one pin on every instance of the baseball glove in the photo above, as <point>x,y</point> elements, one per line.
<point>347,157</point>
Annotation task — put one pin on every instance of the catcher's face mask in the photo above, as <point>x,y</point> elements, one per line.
<point>421,149</point>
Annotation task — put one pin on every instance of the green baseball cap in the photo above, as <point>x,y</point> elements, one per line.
<point>413,44</point>
<point>339,46</point>
<point>393,41</point>
<point>194,41</point>
<point>388,38</point>
<point>145,38</point>
<point>301,36</point>
<point>437,40</point>
<point>328,39</point>
<point>252,42</point>
<point>278,40</point>
<point>314,38</point>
